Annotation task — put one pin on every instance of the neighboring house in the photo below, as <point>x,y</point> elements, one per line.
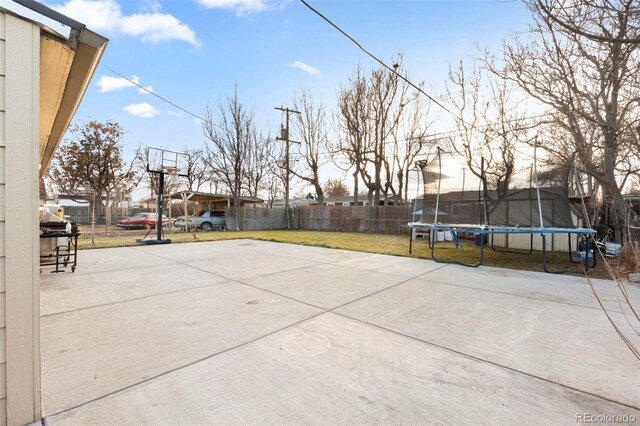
<point>123,202</point>
<point>212,201</point>
<point>78,208</point>
<point>295,202</point>
<point>350,201</point>
<point>46,63</point>
<point>345,201</point>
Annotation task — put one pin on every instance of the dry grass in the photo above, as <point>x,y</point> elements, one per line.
<point>396,245</point>
<point>628,261</point>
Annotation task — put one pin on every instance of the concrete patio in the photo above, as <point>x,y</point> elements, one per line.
<point>247,332</point>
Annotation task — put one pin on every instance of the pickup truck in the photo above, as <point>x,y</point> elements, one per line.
<point>205,220</point>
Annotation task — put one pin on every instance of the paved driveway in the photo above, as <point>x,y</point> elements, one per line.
<point>255,332</point>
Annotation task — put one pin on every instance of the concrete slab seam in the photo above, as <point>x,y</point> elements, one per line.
<point>133,299</point>
<point>239,281</point>
<point>486,361</point>
<point>148,379</point>
<point>79,272</point>
<point>524,297</point>
<point>324,311</point>
<point>257,251</point>
<point>333,262</point>
<point>375,292</point>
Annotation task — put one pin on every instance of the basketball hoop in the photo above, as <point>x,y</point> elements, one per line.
<point>167,162</point>
<point>171,170</point>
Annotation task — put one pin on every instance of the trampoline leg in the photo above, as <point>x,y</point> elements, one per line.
<point>588,251</point>
<point>544,252</point>
<point>433,246</point>
<point>410,239</point>
<point>593,250</point>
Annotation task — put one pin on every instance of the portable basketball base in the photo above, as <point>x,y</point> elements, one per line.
<point>162,162</point>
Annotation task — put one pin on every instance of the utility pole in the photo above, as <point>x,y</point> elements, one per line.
<point>284,136</point>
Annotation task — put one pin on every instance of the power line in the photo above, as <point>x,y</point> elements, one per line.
<point>354,41</point>
<point>154,94</point>
<point>375,58</point>
<point>435,136</point>
<point>429,137</point>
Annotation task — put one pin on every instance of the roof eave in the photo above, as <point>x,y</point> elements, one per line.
<point>88,52</point>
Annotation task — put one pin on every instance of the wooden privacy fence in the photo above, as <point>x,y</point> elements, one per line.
<point>257,219</point>
<point>377,220</point>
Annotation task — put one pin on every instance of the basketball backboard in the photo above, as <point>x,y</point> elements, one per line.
<point>169,162</point>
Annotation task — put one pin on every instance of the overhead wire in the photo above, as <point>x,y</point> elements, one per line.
<point>359,45</point>
<point>375,58</point>
<point>153,93</point>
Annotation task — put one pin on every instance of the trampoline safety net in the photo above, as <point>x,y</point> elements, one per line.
<point>454,193</point>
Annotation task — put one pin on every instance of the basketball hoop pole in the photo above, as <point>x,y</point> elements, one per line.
<point>159,211</point>
<point>163,162</point>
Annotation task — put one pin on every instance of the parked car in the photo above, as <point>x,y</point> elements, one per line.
<point>206,220</point>
<point>142,220</point>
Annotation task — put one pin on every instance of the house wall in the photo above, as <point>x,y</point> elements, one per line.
<point>19,255</point>
<point>3,353</point>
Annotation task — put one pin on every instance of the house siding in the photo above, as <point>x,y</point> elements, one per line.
<point>3,352</point>
<point>19,241</point>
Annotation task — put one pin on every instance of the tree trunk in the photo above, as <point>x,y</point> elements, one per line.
<point>355,187</point>
<point>236,209</point>
<point>107,213</point>
<point>93,218</point>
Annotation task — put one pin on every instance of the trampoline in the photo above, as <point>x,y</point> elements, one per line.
<point>492,218</point>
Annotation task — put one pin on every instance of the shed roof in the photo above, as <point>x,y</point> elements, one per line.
<point>209,197</point>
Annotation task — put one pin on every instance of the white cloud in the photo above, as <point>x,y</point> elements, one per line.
<point>109,84</point>
<point>156,28</point>
<point>106,16</point>
<point>143,110</point>
<point>240,7</point>
<point>150,5</point>
<point>306,68</point>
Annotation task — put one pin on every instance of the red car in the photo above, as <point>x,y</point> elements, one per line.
<point>142,220</point>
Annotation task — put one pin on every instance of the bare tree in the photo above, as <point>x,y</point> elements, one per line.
<point>258,163</point>
<point>196,168</point>
<point>382,128</point>
<point>312,127</point>
<point>489,125</point>
<point>408,142</point>
<point>231,136</point>
<point>591,85</point>
<point>353,120</point>
<point>597,12</point>
<point>387,98</point>
<point>277,175</point>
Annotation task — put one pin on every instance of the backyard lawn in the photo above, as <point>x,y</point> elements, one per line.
<point>397,245</point>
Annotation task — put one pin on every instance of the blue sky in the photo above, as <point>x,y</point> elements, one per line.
<point>194,52</point>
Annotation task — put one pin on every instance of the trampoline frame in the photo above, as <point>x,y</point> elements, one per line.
<point>503,230</point>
